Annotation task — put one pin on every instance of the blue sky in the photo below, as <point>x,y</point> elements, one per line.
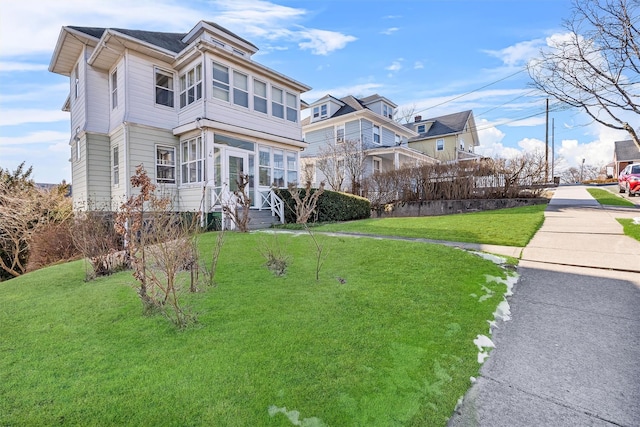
<point>434,56</point>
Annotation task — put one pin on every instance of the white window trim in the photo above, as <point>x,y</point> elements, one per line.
<point>282,103</point>
<point>189,161</point>
<point>438,146</point>
<point>172,89</point>
<point>194,86</point>
<point>157,163</point>
<point>373,130</point>
<point>340,140</point>
<point>115,169</point>
<point>265,97</point>
<point>246,91</point>
<point>113,82</point>
<point>377,160</point>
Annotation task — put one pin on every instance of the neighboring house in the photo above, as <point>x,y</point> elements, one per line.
<point>367,125</point>
<point>194,109</point>
<point>625,153</point>
<point>449,138</point>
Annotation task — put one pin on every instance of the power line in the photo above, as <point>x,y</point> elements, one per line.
<point>470,92</point>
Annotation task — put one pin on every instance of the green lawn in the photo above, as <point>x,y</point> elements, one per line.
<point>631,228</point>
<point>606,197</point>
<point>392,345</point>
<point>507,227</point>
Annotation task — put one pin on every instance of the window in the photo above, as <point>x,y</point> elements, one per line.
<point>387,111</point>
<point>220,82</point>
<point>192,161</point>
<point>116,166</point>
<point>278,168</point>
<point>76,145</point>
<point>191,86</point>
<point>164,88</point>
<point>114,89</point>
<point>440,144</point>
<point>292,168</point>
<point>320,111</point>
<point>340,133</point>
<point>238,52</point>
<point>260,96</point>
<point>377,165</point>
<point>277,103</point>
<point>398,139</point>
<point>166,165</point>
<point>292,108</point>
<point>264,165</point>
<point>462,145</point>
<point>421,128</point>
<point>240,89</point>
<point>376,134</point>
<point>77,82</point>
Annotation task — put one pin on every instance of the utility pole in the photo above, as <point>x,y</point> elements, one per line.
<point>553,149</point>
<point>546,145</point>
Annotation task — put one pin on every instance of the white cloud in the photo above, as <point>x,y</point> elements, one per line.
<point>41,137</point>
<point>596,153</point>
<point>14,117</point>
<point>418,65</point>
<point>519,54</point>
<point>11,66</point>
<point>322,42</point>
<point>389,31</point>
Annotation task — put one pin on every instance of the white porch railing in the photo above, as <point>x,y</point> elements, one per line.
<point>270,200</point>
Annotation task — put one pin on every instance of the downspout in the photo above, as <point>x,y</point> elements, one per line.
<point>125,123</point>
<point>203,202</point>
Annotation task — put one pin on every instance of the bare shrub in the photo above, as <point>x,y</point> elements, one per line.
<point>276,260</point>
<point>52,243</point>
<point>237,208</point>
<point>305,207</point>
<point>160,246</point>
<point>94,235</point>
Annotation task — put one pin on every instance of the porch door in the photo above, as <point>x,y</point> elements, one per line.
<point>237,165</point>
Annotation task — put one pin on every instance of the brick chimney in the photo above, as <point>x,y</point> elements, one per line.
<point>416,119</point>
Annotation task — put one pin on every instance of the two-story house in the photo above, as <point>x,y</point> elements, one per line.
<point>367,125</point>
<point>193,108</point>
<point>624,153</point>
<point>449,138</point>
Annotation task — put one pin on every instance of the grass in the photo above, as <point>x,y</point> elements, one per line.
<point>606,197</point>
<point>630,227</point>
<point>506,227</point>
<point>392,345</point>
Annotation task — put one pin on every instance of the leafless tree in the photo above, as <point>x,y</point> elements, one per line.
<point>405,114</point>
<point>306,205</point>
<point>237,208</point>
<point>343,161</point>
<point>595,66</point>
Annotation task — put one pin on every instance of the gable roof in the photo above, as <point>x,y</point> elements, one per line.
<point>443,125</point>
<point>168,41</point>
<point>626,150</point>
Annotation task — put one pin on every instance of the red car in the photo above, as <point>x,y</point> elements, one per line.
<point>629,180</point>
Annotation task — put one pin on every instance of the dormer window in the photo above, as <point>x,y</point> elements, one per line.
<point>320,111</point>
<point>387,111</point>
<point>421,128</point>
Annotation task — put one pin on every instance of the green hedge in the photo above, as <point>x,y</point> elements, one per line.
<point>332,206</point>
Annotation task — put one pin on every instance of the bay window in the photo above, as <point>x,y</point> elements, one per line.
<point>191,86</point>
<point>192,161</point>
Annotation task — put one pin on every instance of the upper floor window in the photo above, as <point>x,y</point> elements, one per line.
<point>292,107</point>
<point>277,102</point>
<point>116,166</point>
<point>165,165</point>
<point>387,111</point>
<point>260,96</point>
<point>192,161</point>
<point>240,89</point>
<point>220,82</point>
<point>440,144</point>
<point>320,111</point>
<point>340,133</point>
<point>76,86</point>
<point>114,89</point>
<point>164,88</point>
<point>421,128</point>
<point>376,134</point>
<point>191,86</point>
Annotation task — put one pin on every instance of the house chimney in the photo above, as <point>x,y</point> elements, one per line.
<point>417,119</point>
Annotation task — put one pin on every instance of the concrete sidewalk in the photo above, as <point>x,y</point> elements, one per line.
<point>570,356</point>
